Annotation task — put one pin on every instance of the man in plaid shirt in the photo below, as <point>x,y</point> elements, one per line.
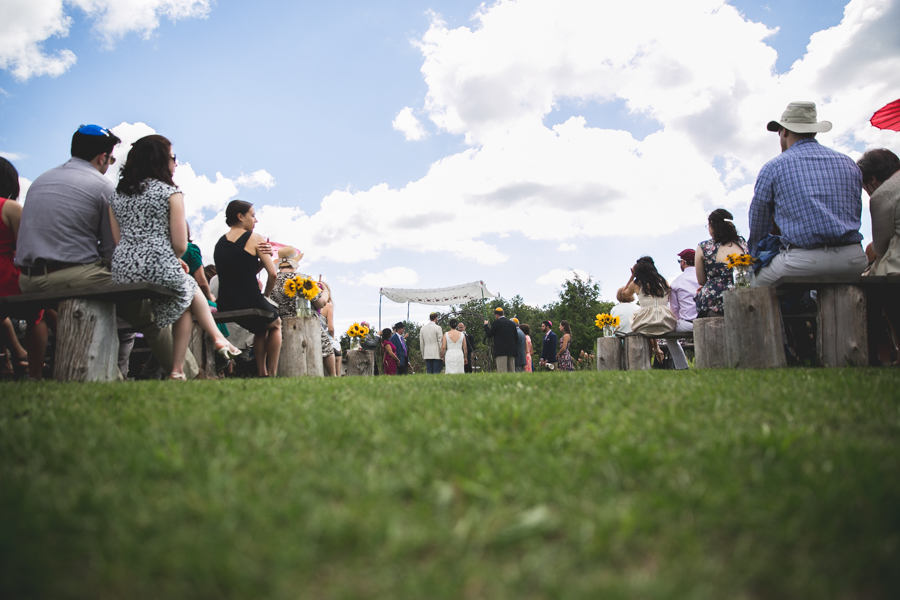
<point>813,195</point>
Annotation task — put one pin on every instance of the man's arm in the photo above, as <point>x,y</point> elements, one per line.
<point>762,207</point>
<point>489,330</point>
<point>107,244</point>
<point>674,301</point>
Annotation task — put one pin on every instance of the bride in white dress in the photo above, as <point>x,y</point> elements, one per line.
<point>453,350</point>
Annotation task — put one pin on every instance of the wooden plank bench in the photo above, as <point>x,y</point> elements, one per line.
<point>631,351</point>
<point>87,344</point>
<point>848,310</point>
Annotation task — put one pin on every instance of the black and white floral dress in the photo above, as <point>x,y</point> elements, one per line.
<point>145,252</point>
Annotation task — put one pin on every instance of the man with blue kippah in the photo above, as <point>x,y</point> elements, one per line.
<point>65,239</point>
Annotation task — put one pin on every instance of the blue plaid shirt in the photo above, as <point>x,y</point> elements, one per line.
<point>814,193</point>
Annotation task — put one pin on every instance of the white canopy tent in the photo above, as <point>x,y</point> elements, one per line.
<point>457,294</point>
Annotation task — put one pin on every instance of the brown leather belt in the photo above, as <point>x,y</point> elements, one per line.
<point>47,268</point>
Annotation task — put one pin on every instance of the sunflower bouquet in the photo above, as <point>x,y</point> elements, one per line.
<point>608,323</point>
<point>356,332</point>
<point>302,290</point>
<point>740,269</point>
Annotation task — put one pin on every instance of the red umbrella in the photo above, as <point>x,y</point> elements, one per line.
<point>887,117</point>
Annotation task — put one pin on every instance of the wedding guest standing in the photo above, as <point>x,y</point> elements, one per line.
<point>521,348</point>
<point>505,340</point>
<point>563,355</point>
<point>528,348</point>
<point>148,225</point>
<point>712,273</point>
<point>399,341</point>
<point>430,341</point>
<point>453,350</point>
<point>548,348</point>
<point>470,348</point>
<point>238,260</point>
<point>330,359</point>
<point>390,360</point>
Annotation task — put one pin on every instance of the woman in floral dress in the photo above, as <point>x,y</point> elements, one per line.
<point>712,273</point>
<point>149,227</point>
<point>563,356</point>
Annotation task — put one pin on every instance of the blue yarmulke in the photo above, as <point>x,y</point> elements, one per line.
<point>92,130</point>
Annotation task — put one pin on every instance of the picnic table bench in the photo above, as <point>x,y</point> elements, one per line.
<point>631,351</point>
<point>87,343</point>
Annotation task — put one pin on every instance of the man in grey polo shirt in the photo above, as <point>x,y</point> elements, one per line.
<point>65,239</point>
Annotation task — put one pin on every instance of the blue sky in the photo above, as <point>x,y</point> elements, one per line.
<point>533,142</point>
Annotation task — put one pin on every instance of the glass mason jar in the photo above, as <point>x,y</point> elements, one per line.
<point>741,275</point>
<point>302,306</point>
<point>608,331</point>
<point>355,343</point>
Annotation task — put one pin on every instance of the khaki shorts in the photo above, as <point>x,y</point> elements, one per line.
<point>74,277</point>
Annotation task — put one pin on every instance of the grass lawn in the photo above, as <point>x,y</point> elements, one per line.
<point>717,484</point>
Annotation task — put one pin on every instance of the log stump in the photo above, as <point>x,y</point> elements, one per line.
<point>301,348</point>
<point>709,343</point>
<point>754,334</point>
<point>636,355</point>
<point>609,354</point>
<point>360,363</point>
<point>87,341</point>
<point>203,348</point>
<point>842,338</point>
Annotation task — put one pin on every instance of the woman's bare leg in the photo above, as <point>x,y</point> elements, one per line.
<point>273,348</point>
<point>181,337</point>
<point>328,361</point>
<point>200,310</point>
<point>259,351</point>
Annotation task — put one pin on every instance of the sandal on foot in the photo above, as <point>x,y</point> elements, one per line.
<point>227,351</point>
<point>177,377</point>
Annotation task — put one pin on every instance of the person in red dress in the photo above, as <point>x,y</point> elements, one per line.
<point>10,216</point>
<point>390,361</point>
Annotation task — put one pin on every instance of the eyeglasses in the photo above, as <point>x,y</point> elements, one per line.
<point>174,157</point>
<point>112,159</point>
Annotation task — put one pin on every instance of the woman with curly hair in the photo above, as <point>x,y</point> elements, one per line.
<point>149,227</point>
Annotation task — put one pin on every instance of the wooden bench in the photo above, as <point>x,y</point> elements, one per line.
<point>631,351</point>
<point>87,343</point>
<point>848,310</point>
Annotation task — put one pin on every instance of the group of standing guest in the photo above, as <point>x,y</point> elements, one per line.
<point>513,346</point>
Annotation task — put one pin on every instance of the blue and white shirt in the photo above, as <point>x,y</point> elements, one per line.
<point>814,193</point>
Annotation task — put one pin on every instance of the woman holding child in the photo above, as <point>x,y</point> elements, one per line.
<point>148,225</point>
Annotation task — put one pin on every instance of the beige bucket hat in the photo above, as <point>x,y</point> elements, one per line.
<point>289,255</point>
<point>800,117</point>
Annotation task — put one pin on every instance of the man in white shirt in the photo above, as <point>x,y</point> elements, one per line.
<point>430,340</point>
<point>624,310</point>
<point>681,301</point>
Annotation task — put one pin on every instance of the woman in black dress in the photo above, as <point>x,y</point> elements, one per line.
<point>238,260</point>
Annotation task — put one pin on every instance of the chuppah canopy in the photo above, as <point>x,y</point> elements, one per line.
<point>457,294</point>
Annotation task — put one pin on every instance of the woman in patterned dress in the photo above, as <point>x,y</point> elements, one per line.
<point>149,228</point>
<point>563,355</point>
<point>712,274</point>
<point>526,329</point>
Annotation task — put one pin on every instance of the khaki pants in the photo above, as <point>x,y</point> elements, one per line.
<point>137,313</point>
<point>506,364</point>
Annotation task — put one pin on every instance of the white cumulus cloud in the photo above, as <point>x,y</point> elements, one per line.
<point>27,24</point>
<point>407,123</point>
<point>557,277</point>
<point>260,178</point>
<point>567,247</point>
<point>391,277</point>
